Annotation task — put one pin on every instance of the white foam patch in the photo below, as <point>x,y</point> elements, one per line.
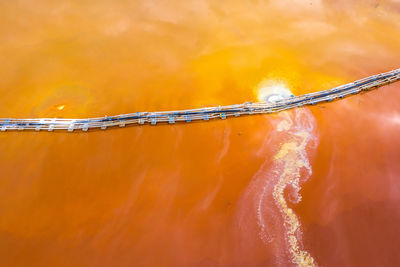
<point>271,91</point>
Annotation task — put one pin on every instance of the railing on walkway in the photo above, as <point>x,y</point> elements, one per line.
<point>205,114</point>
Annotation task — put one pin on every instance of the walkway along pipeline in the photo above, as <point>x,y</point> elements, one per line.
<point>204,114</point>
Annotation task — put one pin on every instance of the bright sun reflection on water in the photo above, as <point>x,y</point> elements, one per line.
<point>60,107</point>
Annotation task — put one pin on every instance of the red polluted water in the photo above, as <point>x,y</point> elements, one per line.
<point>314,186</point>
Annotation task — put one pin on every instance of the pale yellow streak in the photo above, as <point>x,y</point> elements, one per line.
<point>290,155</point>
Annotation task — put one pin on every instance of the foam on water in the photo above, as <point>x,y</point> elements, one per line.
<point>277,182</point>
<point>290,160</point>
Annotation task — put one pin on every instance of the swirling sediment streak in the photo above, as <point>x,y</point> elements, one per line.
<point>264,206</point>
<point>292,156</point>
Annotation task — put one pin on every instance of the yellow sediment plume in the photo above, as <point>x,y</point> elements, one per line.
<point>285,149</point>
<point>291,156</point>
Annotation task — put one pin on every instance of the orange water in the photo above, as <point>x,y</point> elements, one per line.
<point>172,195</point>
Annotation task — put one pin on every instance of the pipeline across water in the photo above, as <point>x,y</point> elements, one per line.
<point>204,114</point>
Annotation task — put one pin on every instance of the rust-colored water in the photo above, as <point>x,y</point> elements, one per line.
<point>222,193</point>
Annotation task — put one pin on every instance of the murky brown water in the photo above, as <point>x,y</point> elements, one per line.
<point>182,195</point>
